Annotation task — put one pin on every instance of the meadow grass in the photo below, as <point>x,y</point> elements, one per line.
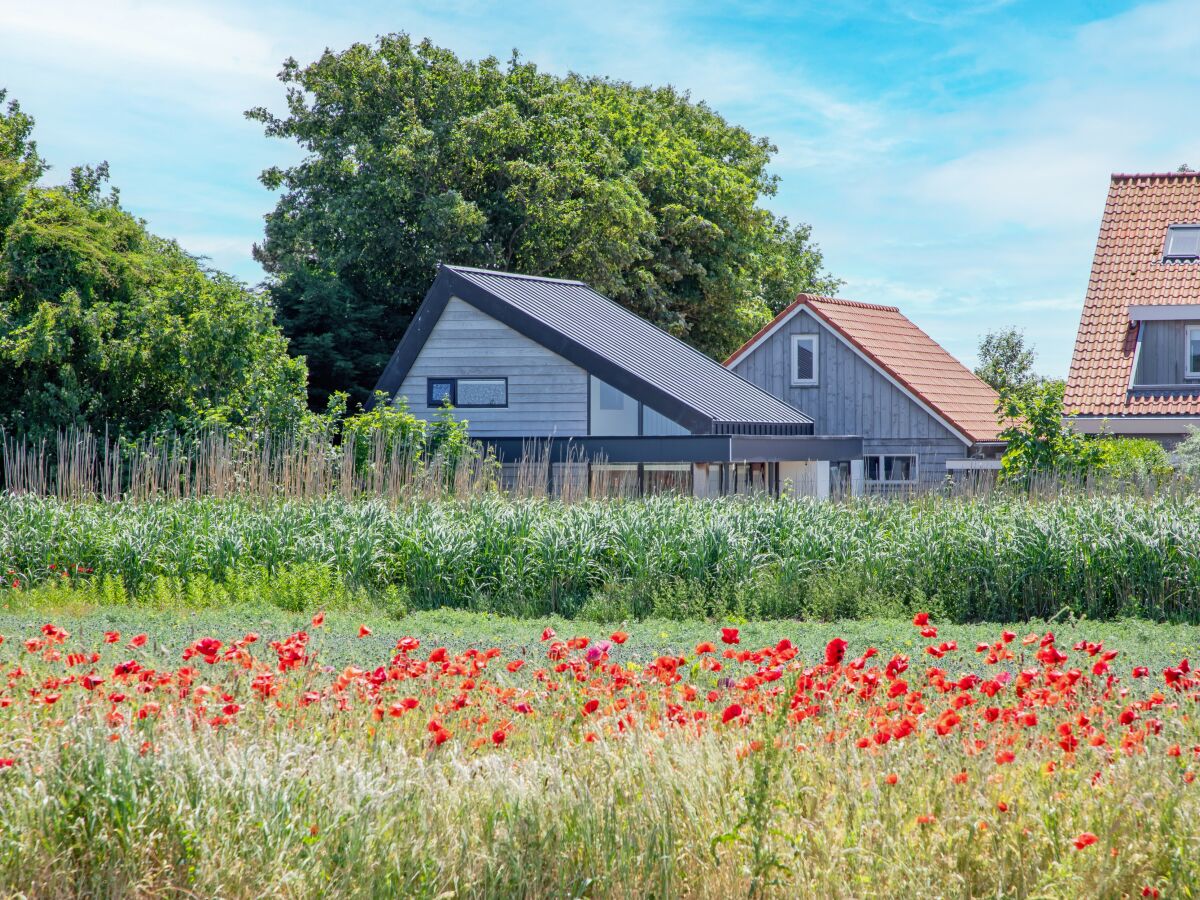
<point>990,559</point>
<point>309,801</point>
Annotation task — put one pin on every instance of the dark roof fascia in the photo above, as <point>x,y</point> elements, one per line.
<point>419,329</point>
<point>697,448</point>
<point>694,420</point>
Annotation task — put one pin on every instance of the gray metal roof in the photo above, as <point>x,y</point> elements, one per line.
<point>589,320</point>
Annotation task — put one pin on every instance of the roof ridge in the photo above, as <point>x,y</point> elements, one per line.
<point>500,273</point>
<point>819,298</point>
<point>1132,176</point>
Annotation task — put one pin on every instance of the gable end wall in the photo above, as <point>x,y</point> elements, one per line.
<point>851,397</point>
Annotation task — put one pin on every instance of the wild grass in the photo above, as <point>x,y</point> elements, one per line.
<point>302,801</point>
<point>991,559</point>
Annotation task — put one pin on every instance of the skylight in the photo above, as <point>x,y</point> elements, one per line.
<point>1183,243</point>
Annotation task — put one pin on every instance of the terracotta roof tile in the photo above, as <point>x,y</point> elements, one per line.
<point>908,355</point>
<point>1128,268</point>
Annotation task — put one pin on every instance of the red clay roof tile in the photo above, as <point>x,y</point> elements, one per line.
<point>1128,268</point>
<point>908,355</point>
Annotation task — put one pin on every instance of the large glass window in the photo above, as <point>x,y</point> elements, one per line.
<point>891,468</point>
<point>613,412</point>
<point>804,359</point>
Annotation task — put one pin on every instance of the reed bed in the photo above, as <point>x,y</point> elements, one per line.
<point>989,559</point>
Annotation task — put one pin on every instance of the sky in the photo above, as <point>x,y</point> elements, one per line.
<point>952,158</point>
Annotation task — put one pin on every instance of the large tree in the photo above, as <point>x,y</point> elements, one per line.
<point>102,324</point>
<point>413,156</point>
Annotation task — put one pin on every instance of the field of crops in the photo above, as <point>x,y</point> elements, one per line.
<point>992,559</point>
<point>271,754</point>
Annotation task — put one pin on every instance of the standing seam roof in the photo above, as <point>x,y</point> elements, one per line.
<point>593,321</point>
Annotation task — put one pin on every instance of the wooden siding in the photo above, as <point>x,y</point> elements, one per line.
<point>1162,358</point>
<point>547,395</point>
<point>851,397</point>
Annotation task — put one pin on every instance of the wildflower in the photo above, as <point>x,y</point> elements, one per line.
<point>137,640</point>
<point>548,634</point>
<point>498,737</point>
<point>591,706</point>
<point>111,637</point>
<point>730,636</point>
<point>732,711</point>
<point>835,651</point>
<point>515,665</point>
<point>618,637</point>
<point>921,618</point>
<point>364,631</point>
<point>319,619</point>
<point>925,820</point>
<point>7,762</point>
<point>1086,839</point>
<point>892,778</point>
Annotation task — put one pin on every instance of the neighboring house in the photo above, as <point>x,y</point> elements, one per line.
<point>1136,366</point>
<point>857,368</point>
<point>539,365</point>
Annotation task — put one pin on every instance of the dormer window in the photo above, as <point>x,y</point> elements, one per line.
<point>1183,243</point>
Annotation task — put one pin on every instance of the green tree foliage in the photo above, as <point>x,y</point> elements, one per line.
<point>102,324</point>
<point>1132,459</point>
<point>1040,442</point>
<point>1006,361</point>
<point>415,157</point>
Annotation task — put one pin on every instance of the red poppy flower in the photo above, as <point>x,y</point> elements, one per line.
<point>921,618</point>
<point>364,631</point>
<point>705,647</point>
<point>515,664</point>
<point>591,706</point>
<point>111,637</point>
<point>137,640</point>
<point>548,634</point>
<point>732,711</point>
<point>730,636</point>
<point>835,652</point>
<point>892,778</point>
<point>498,737</point>
<point>7,762</point>
<point>319,619</point>
<point>618,637</point>
<point>1086,839</point>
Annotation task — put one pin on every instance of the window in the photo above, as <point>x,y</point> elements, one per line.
<point>1193,352</point>
<point>804,359</point>
<point>467,393</point>
<point>441,392</point>
<point>893,469</point>
<point>610,397</point>
<point>1183,243</point>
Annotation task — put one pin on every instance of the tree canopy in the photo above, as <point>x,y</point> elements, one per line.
<point>415,157</point>
<point>102,324</point>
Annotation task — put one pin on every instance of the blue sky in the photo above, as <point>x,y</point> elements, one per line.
<point>952,157</point>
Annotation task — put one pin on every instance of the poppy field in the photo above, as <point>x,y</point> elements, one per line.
<point>376,759</point>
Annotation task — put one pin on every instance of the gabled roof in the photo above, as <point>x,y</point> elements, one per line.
<point>906,356</point>
<point>608,341</point>
<point>1128,269</point>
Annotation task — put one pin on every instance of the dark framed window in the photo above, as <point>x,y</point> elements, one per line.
<point>467,393</point>
<point>1183,243</point>
<point>899,468</point>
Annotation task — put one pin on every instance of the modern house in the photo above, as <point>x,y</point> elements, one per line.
<point>1136,366</point>
<point>859,368</point>
<point>550,366</point>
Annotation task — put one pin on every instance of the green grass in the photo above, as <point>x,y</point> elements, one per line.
<point>970,560</point>
<point>170,630</point>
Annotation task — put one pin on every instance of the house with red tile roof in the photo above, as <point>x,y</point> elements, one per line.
<point>1136,366</point>
<point>865,369</point>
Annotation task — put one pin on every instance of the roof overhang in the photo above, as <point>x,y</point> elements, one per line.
<point>694,448</point>
<point>1163,312</point>
<point>1133,424</point>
